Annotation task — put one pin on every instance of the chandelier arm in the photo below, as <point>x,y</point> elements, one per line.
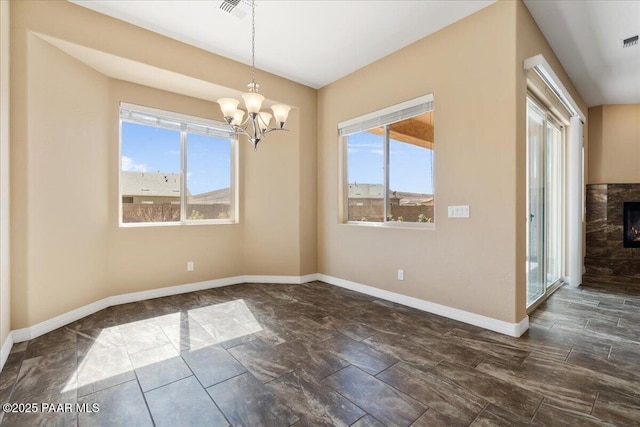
<point>243,128</point>
<point>273,129</point>
<point>239,129</point>
<point>255,128</point>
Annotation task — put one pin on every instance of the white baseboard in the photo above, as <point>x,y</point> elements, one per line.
<point>310,278</point>
<point>41,328</point>
<point>173,290</point>
<point>521,327</point>
<point>292,280</point>
<point>6,349</point>
<point>511,329</point>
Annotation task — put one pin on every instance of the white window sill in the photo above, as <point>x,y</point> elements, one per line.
<point>174,224</point>
<point>396,225</point>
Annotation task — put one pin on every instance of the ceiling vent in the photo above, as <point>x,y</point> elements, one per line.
<point>631,41</point>
<point>237,8</point>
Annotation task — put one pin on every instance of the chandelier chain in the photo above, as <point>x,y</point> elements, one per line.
<point>253,41</point>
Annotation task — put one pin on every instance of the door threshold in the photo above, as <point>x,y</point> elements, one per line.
<point>550,290</point>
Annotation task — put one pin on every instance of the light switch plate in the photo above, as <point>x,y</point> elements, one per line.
<point>461,211</point>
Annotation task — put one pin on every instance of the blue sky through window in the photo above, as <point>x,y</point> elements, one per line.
<point>208,163</point>
<point>365,158</point>
<point>152,149</point>
<point>410,166</point>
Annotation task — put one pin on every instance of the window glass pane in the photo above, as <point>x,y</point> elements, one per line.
<point>208,177</point>
<point>410,197</point>
<point>365,174</point>
<point>150,174</point>
<point>554,205</point>
<point>535,203</point>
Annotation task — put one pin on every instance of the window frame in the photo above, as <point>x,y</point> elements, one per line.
<point>383,118</point>
<point>186,122</point>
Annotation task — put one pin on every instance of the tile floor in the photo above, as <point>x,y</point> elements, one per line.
<point>318,355</point>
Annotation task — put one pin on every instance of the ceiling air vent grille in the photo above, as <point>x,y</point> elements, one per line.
<point>237,8</point>
<point>631,41</point>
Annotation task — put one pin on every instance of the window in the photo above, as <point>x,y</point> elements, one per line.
<point>389,164</point>
<point>175,169</point>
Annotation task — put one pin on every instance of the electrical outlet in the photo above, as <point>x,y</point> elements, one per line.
<point>400,274</point>
<point>190,266</point>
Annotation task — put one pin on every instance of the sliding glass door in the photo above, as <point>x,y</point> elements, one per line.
<point>545,202</point>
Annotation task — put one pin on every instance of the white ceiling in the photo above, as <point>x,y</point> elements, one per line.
<point>315,42</point>
<point>587,38</point>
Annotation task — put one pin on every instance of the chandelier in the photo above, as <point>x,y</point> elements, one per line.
<point>257,123</point>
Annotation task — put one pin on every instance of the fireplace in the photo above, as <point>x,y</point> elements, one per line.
<point>612,223</point>
<point>631,225</point>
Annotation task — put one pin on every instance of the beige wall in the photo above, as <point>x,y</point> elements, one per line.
<point>67,248</point>
<point>474,69</point>
<point>614,155</point>
<point>64,215</point>
<point>5,294</point>
<point>470,263</point>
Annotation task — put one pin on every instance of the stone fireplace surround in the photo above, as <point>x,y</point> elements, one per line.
<point>605,252</point>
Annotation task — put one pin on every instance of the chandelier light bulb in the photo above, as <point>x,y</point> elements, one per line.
<point>265,119</point>
<point>253,102</point>
<point>237,118</point>
<point>281,113</point>
<point>228,107</point>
